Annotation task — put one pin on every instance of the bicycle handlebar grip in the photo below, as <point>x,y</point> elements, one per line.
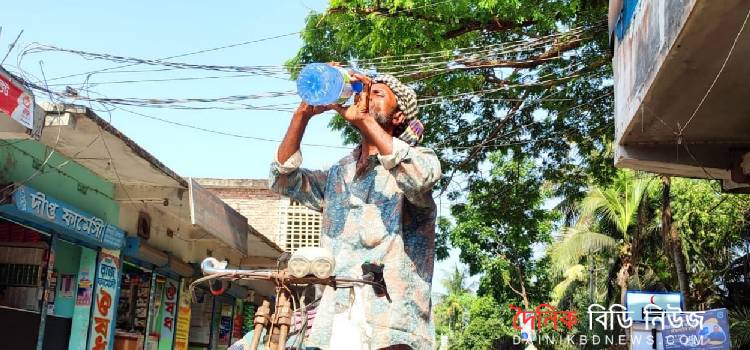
<point>210,265</point>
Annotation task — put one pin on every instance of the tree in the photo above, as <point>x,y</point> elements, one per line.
<point>609,223</point>
<point>450,312</point>
<point>498,227</point>
<point>486,325</point>
<point>740,328</point>
<point>673,241</point>
<point>683,222</point>
<point>456,282</point>
<point>713,228</point>
<point>530,76</point>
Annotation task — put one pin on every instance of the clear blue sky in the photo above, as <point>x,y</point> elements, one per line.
<point>156,29</point>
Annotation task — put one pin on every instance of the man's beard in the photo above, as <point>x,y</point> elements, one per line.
<point>382,119</point>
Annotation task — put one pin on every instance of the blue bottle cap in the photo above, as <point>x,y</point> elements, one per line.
<point>357,87</point>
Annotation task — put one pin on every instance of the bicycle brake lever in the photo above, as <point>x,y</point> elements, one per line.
<point>217,287</point>
<point>375,271</point>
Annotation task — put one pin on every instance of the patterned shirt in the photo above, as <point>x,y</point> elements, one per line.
<point>385,214</point>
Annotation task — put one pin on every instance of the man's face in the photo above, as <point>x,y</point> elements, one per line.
<point>383,104</point>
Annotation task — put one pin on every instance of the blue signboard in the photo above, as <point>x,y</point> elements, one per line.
<point>710,334</point>
<point>626,17</point>
<point>85,226</point>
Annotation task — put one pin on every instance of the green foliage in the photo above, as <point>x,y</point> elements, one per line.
<point>517,156</point>
<point>605,219</point>
<point>565,122</point>
<point>483,322</point>
<point>712,226</point>
<point>619,202</point>
<point>443,226</point>
<point>452,312</point>
<point>499,225</point>
<point>469,321</point>
<point>487,323</point>
<point>576,273</point>
<point>739,328</point>
<point>456,282</point>
<point>576,243</point>
<point>714,229</point>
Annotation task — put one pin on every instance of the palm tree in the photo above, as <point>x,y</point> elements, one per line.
<point>456,282</point>
<point>610,221</point>
<point>451,308</point>
<point>740,327</point>
<point>579,246</point>
<point>673,239</point>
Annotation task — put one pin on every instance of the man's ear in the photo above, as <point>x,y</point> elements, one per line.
<point>398,118</point>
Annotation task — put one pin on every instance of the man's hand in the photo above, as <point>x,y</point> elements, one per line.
<point>307,111</point>
<point>360,109</point>
<point>353,114</point>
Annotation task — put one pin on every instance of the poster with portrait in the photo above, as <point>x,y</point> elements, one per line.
<point>67,283</point>
<point>85,285</point>
<point>712,334</point>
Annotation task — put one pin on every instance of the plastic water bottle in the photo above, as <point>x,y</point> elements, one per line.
<point>321,84</point>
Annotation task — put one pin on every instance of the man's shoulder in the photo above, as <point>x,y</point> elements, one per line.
<point>426,152</point>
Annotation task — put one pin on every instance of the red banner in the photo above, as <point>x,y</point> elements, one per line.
<point>16,102</point>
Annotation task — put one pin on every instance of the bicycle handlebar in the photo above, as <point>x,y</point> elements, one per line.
<point>214,269</point>
<point>211,266</point>
<point>283,277</point>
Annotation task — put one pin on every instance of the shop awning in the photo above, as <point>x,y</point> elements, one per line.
<point>213,215</point>
<point>137,248</point>
<point>143,183</point>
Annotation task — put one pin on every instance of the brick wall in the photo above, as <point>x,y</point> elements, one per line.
<point>253,199</point>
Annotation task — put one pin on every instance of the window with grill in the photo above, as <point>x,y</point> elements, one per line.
<point>19,275</point>
<point>300,227</point>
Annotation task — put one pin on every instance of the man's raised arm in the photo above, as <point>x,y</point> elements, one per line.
<point>287,178</point>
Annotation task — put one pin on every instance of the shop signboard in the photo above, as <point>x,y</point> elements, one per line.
<point>238,320</point>
<point>86,227</point>
<point>101,332</point>
<point>182,329</point>
<point>16,102</point>
<point>225,326</point>
<point>641,303</point>
<point>169,313</point>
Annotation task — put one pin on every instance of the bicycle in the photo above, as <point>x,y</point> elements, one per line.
<point>277,322</point>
